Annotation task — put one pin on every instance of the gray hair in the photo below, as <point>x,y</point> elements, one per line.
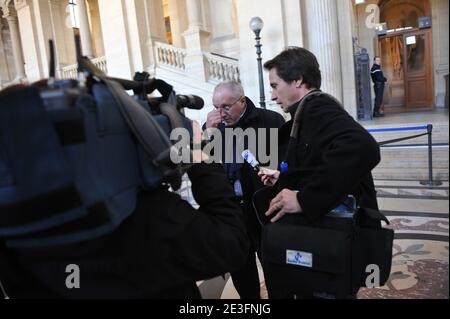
<point>234,87</point>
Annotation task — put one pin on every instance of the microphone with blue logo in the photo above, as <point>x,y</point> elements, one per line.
<point>251,159</point>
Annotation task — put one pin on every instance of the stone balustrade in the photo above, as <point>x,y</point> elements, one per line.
<point>170,56</point>
<point>221,69</point>
<point>71,71</point>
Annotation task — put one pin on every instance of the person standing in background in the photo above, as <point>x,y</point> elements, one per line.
<point>379,81</point>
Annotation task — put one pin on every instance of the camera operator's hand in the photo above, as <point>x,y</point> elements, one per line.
<point>197,133</point>
<point>214,119</point>
<point>197,153</point>
<point>285,203</point>
<point>269,177</point>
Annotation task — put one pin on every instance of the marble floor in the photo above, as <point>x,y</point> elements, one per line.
<point>438,116</point>
<point>418,214</point>
<point>420,262</point>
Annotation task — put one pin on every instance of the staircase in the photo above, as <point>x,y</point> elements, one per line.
<point>408,160</point>
<point>170,66</point>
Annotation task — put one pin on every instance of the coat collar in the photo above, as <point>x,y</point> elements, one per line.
<point>251,114</point>
<point>293,108</point>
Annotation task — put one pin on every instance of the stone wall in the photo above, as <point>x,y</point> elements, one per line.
<point>440,13</point>
<point>6,56</point>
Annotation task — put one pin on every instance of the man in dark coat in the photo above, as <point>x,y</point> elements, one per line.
<point>334,155</point>
<point>234,110</point>
<point>330,157</point>
<point>379,81</point>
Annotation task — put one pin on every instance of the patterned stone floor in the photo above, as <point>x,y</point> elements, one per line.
<point>420,264</point>
<point>420,218</point>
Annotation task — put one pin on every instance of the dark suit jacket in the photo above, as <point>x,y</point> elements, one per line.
<point>253,118</point>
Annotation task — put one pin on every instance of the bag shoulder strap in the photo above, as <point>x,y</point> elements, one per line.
<point>297,121</point>
<point>301,108</point>
<point>373,214</point>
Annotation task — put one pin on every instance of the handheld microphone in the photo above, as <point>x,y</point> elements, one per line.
<point>251,159</point>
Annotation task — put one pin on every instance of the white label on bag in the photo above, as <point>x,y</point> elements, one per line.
<point>299,258</point>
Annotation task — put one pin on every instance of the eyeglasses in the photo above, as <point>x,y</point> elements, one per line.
<point>227,108</point>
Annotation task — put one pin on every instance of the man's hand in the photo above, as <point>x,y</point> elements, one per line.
<point>285,203</point>
<point>214,119</point>
<point>269,177</point>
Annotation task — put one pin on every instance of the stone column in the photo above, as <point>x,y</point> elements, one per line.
<point>178,21</point>
<point>96,29</point>
<point>348,78</point>
<point>119,50</point>
<point>4,68</point>
<point>323,41</point>
<point>197,40</point>
<point>13,25</point>
<point>154,31</point>
<point>194,12</point>
<point>85,32</point>
<point>439,12</point>
<point>54,6</point>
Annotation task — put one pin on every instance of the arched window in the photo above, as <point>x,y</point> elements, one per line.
<point>403,13</point>
<point>73,11</point>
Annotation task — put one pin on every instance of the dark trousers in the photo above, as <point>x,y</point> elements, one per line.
<point>379,92</point>
<point>246,280</point>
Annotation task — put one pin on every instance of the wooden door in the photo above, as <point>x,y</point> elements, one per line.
<point>418,70</point>
<point>391,50</point>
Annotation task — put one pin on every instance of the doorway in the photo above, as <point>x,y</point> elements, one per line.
<point>406,54</point>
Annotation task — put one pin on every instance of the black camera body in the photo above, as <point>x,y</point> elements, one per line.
<point>95,147</point>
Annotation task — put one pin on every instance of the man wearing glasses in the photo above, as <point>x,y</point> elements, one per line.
<point>232,109</point>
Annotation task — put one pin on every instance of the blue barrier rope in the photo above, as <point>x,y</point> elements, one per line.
<point>416,128</point>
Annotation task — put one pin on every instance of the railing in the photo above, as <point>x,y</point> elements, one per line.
<point>101,64</point>
<point>221,69</point>
<point>5,85</point>
<point>71,71</point>
<point>429,128</point>
<point>170,56</point>
<point>13,82</point>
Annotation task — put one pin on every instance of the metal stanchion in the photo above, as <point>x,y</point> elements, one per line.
<point>430,182</point>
